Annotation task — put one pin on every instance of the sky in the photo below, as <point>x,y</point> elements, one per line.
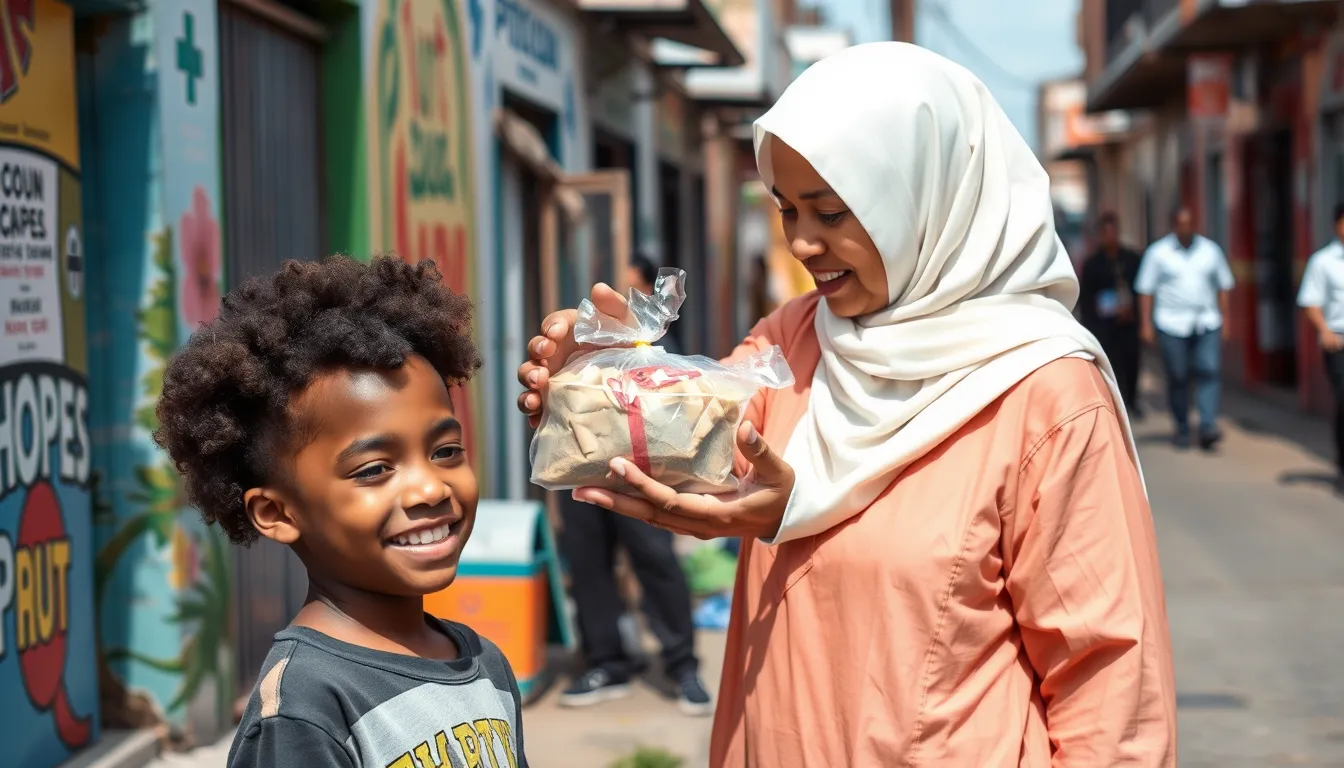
<point>1019,42</point>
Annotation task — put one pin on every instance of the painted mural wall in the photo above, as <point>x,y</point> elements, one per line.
<point>162,585</point>
<point>48,675</point>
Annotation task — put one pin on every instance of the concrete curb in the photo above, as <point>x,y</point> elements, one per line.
<point>118,749</point>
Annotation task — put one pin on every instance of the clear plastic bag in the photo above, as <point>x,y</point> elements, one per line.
<point>673,416</point>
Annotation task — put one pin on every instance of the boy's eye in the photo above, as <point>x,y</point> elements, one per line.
<point>448,453</point>
<point>370,472</point>
<point>788,213</point>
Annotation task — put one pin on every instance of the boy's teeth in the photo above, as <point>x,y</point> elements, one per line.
<point>423,537</point>
<point>826,277</point>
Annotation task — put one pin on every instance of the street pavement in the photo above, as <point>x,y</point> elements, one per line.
<point>1252,544</point>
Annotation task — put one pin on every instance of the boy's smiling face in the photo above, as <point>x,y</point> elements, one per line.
<point>379,496</point>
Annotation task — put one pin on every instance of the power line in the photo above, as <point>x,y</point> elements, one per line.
<point>937,11</point>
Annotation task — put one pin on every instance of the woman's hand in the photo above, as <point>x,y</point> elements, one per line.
<point>550,351</point>
<point>753,511</point>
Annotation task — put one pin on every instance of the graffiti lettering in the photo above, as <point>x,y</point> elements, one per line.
<point>431,174</point>
<point>528,34</point>
<point>35,596</point>
<point>20,183</point>
<point>42,407</point>
<point>17,221</point>
<point>22,202</point>
<point>36,584</point>
<point>20,19</point>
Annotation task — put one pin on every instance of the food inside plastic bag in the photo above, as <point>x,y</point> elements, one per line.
<point>674,417</point>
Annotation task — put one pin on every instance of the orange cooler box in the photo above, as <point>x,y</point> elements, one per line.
<point>504,585</point>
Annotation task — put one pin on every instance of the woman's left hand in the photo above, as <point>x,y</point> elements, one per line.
<point>753,511</point>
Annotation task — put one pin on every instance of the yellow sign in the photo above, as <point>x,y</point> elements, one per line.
<point>420,144</point>
<point>37,78</point>
<point>420,138</point>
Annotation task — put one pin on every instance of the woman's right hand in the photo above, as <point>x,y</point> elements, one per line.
<point>550,351</point>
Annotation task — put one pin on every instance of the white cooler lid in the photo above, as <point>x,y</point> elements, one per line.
<point>505,533</point>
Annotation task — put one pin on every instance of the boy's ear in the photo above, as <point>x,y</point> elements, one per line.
<point>271,515</point>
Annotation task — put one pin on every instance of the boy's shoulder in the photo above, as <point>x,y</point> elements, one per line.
<point>311,677</point>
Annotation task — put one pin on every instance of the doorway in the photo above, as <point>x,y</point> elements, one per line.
<point>697,268</point>
<point>273,211</point>
<point>521,192</point>
<point>613,153</point>
<point>1273,212</point>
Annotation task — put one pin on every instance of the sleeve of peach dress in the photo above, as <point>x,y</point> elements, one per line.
<point>1082,571</point>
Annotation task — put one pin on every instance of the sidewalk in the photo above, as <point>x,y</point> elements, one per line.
<point>1254,585</point>
<point>597,736</point>
<point>1265,414</point>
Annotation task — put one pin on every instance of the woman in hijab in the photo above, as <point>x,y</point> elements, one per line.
<point>953,561</point>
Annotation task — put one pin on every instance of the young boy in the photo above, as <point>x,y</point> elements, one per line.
<point>315,412</point>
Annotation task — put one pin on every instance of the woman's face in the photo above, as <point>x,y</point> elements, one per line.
<point>826,237</point>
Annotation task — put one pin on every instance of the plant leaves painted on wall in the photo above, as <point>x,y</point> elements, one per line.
<point>158,328</point>
<point>204,610</point>
<point>146,418</point>
<point>158,318</point>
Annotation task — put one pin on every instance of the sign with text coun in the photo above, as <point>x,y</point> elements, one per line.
<point>48,677</point>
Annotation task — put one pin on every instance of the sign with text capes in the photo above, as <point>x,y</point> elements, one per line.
<point>48,675</point>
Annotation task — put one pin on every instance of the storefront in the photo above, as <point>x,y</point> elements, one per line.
<point>1254,197</point>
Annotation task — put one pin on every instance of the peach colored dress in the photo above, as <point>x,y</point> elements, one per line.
<point>999,605</point>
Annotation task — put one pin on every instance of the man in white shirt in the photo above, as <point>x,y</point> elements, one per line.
<point>1183,286</point>
<point>1322,298</point>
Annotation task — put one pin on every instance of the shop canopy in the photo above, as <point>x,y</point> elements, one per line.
<point>685,32</point>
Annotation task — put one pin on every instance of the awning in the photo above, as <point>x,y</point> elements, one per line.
<point>524,142</point>
<point>1147,80</point>
<point>1223,24</point>
<point>1150,68</point>
<point>687,22</point>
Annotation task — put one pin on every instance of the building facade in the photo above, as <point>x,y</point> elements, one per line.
<point>1238,122</point>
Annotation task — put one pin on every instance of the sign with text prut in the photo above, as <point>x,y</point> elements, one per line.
<point>47,665</point>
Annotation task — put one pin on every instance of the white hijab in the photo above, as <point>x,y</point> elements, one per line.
<point>981,288</point>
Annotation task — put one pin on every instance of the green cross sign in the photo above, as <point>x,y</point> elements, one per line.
<point>189,56</point>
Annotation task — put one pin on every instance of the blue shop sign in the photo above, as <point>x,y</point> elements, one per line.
<point>528,34</point>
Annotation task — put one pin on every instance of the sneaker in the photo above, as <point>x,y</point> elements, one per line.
<point>595,687</point>
<point>1180,441</point>
<point>692,698</point>
<point>1209,440</point>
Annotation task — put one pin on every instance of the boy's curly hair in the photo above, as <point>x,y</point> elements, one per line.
<point>224,410</point>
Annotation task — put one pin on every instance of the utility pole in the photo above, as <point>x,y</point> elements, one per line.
<point>903,20</point>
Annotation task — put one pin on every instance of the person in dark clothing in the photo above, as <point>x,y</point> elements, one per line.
<point>1321,297</point>
<point>588,541</point>
<point>1108,309</point>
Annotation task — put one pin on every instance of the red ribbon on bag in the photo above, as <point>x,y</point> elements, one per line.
<point>650,378</point>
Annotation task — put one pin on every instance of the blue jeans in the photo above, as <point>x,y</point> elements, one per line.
<point>1193,360</point>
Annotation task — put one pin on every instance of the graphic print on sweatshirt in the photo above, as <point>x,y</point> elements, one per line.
<point>437,726</point>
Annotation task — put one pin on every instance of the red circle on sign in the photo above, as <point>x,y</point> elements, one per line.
<point>42,665</point>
